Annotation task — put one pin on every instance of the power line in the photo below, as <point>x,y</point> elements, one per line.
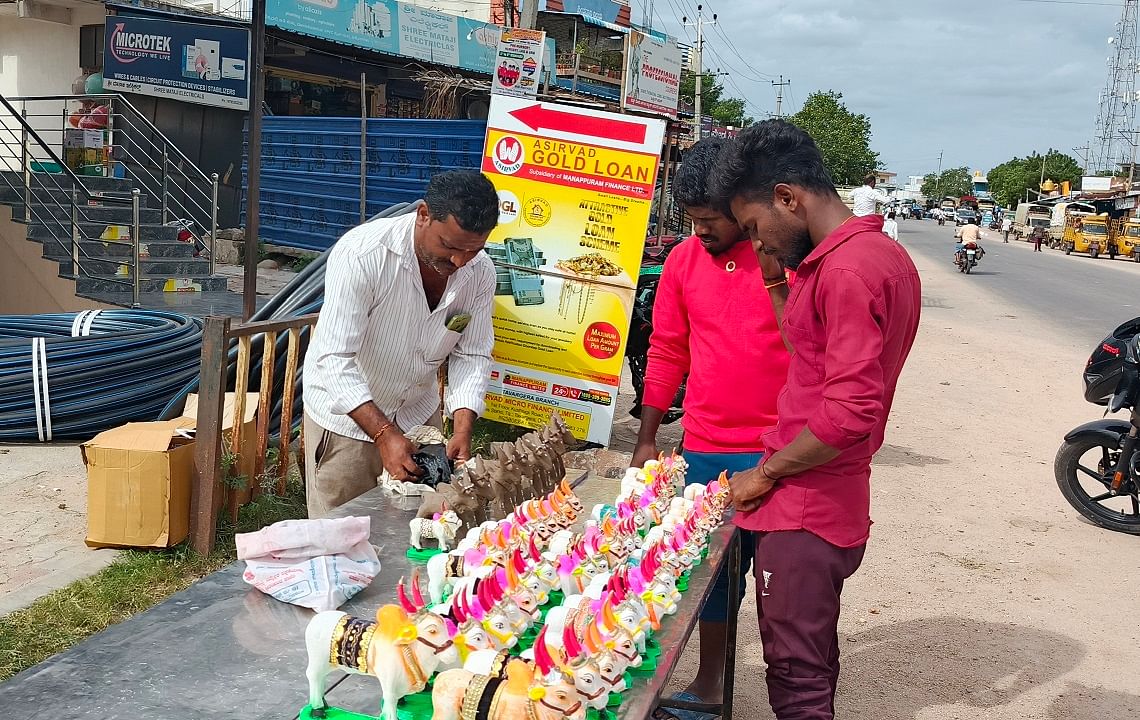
<point>1072,2</point>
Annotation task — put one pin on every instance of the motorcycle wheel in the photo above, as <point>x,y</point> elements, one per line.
<point>1068,250</point>
<point>1071,467</point>
<point>1094,253</point>
<point>969,265</point>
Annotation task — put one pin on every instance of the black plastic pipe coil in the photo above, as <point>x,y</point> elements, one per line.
<point>69,376</point>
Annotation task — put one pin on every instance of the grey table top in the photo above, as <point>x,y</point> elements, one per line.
<point>221,649</point>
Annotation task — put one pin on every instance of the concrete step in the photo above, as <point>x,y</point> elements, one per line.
<point>94,183</point>
<point>56,196</point>
<point>121,215</point>
<point>111,284</point>
<point>91,231</point>
<point>111,251</point>
<point>151,267</point>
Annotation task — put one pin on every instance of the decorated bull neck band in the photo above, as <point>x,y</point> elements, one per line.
<point>413,669</point>
<point>350,641</point>
<point>482,694</point>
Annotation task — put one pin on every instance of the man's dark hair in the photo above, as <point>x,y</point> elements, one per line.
<point>691,183</point>
<point>467,196</point>
<point>870,179</point>
<point>765,155</point>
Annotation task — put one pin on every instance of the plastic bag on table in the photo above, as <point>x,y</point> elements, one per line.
<point>317,564</point>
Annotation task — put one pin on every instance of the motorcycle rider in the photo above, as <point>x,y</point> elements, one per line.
<point>711,322</point>
<point>967,235</point>
<point>938,215</point>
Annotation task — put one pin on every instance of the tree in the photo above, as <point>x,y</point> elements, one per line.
<point>843,137</point>
<point>953,182</point>
<point>1009,181</point>
<point>723,110</point>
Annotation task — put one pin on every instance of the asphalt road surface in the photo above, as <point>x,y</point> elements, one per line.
<point>1082,298</point>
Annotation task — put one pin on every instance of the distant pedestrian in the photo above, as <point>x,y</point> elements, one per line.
<point>1006,226</point>
<point>890,227</point>
<point>1037,236</point>
<point>1111,248</point>
<point>867,197</point>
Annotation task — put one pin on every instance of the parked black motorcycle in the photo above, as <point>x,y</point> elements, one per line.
<point>1098,466</point>
<point>641,326</point>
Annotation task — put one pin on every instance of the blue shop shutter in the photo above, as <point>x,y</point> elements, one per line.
<point>310,171</point>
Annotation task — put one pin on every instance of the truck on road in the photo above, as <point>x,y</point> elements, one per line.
<point>1028,216</point>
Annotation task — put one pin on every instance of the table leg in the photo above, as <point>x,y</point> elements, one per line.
<point>734,612</point>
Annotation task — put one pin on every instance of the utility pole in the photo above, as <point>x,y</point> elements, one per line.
<point>1083,156</point>
<point>780,94</point>
<point>253,162</point>
<point>699,24</point>
<point>1041,187</point>
<point>938,180</point>
<point>528,16</point>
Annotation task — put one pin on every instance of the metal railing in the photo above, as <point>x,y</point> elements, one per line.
<point>258,345</point>
<point>57,199</point>
<point>187,196</point>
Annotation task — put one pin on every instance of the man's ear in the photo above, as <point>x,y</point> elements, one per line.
<point>423,215</point>
<point>784,197</point>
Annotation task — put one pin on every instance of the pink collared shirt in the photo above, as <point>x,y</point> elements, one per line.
<point>851,319</point>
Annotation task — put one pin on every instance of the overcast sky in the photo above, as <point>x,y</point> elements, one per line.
<point>982,81</point>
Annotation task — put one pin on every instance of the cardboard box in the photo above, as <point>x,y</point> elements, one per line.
<point>140,476</point>
<point>138,485</point>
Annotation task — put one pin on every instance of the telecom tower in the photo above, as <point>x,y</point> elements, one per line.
<point>1115,135</point>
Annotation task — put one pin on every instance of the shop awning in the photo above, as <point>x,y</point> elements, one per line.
<point>589,20</point>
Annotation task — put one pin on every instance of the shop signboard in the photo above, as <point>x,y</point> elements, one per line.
<point>395,28</point>
<point>575,191</point>
<point>652,74</point>
<point>193,62</point>
<point>606,13</point>
<point>518,65</point>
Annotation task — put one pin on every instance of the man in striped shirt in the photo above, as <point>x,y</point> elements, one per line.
<point>402,295</point>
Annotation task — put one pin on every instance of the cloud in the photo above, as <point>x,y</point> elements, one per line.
<point>981,81</point>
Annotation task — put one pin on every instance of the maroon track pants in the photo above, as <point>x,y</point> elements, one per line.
<point>799,578</point>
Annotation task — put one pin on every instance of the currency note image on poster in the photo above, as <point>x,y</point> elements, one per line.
<point>575,191</point>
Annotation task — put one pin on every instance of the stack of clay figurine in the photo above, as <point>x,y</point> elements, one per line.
<point>483,490</point>
<point>525,618</point>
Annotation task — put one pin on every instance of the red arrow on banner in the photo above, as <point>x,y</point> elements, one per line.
<point>537,117</point>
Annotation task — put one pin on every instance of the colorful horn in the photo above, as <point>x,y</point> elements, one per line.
<point>542,657</point>
<point>593,639</point>
<point>512,575</point>
<point>403,598</point>
<point>535,554</point>
<point>457,612</point>
<point>417,596</point>
<point>570,642</point>
<point>608,616</point>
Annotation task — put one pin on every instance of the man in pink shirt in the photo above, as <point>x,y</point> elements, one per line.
<point>850,320</point>
<point>715,320</point>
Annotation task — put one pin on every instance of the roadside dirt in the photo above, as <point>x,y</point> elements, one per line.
<point>982,595</point>
<point>43,493</point>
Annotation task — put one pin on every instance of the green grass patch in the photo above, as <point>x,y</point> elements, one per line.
<point>135,581</point>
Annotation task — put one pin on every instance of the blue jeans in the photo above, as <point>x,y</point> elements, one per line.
<point>704,468</point>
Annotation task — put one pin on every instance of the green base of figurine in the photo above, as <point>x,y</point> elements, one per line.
<point>333,713</point>
<point>555,598</point>
<point>422,556</point>
<point>592,714</point>
<point>683,583</point>
<point>415,707</point>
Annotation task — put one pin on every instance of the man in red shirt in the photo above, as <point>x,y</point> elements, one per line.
<point>850,320</point>
<point>708,324</point>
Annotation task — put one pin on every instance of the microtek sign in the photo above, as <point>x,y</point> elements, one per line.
<point>186,61</point>
<point>127,47</point>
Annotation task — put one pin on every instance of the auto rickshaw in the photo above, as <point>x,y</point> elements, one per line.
<point>1087,234</point>
<point>1128,238</point>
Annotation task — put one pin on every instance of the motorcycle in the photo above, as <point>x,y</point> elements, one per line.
<point>641,325</point>
<point>967,258</point>
<point>1104,455</point>
<point>942,220</point>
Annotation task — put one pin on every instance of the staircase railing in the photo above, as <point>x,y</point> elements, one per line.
<point>37,174</point>
<point>188,197</point>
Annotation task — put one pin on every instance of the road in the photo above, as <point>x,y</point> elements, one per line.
<point>983,595</point>
<point>1081,297</point>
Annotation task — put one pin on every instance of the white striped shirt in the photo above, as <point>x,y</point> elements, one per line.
<point>377,340</point>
